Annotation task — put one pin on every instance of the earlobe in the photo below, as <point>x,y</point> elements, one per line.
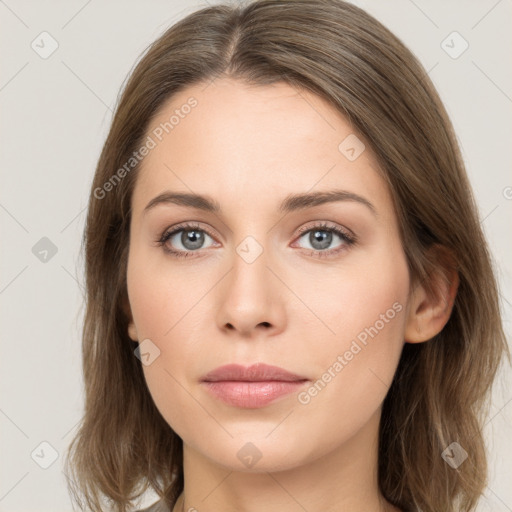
<point>132,330</point>
<point>428,313</point>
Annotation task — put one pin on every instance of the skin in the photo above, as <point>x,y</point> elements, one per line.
<point>248,148</point>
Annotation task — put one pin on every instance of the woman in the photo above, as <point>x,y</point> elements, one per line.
<point>291,303</point>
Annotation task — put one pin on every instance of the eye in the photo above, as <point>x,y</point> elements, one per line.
<point>184,240</point>
<point>190,236</point>
<point>320,238</point>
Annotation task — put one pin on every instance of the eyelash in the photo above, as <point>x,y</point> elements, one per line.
<point>348,239</point>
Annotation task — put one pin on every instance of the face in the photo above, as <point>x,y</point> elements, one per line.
<point>318,288</point>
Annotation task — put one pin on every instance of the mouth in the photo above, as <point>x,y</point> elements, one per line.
<point>251,387</point>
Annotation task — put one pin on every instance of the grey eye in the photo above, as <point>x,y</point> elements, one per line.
<point>190,239</point>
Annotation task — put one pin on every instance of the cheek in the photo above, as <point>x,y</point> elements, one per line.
<point>164,304</point>
<point>370,288</point>
<point>354,337</point>
<point>362,312</point>
<point>160,315</point>
<point>160,296</point>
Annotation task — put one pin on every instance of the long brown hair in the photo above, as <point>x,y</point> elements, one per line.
<point>441,387</point>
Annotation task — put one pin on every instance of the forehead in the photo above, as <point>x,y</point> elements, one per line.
<point>249,144</point>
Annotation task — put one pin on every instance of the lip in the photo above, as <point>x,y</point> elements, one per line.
<point>251,387</point>
<point>258,372</point>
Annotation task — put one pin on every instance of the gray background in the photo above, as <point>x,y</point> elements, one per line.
<point>56,112</point>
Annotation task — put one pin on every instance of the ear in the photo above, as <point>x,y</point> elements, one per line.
<point>132,330</point>
<point>428,313</point>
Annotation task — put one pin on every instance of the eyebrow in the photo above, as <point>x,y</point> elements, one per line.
<point>292,202</point>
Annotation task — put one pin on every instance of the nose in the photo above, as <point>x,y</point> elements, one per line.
<point>250,297</point>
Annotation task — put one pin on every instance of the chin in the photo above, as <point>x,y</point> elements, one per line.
<point>258,455</point>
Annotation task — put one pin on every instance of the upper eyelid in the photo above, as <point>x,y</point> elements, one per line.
<point>176,229</point>
<point>328,226</point>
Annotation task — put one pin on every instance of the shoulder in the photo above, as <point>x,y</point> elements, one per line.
<point>158,506</point>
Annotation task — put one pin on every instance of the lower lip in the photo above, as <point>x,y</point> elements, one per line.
<point>251,395</point>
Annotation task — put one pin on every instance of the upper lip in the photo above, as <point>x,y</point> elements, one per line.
<point>255,373</point>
